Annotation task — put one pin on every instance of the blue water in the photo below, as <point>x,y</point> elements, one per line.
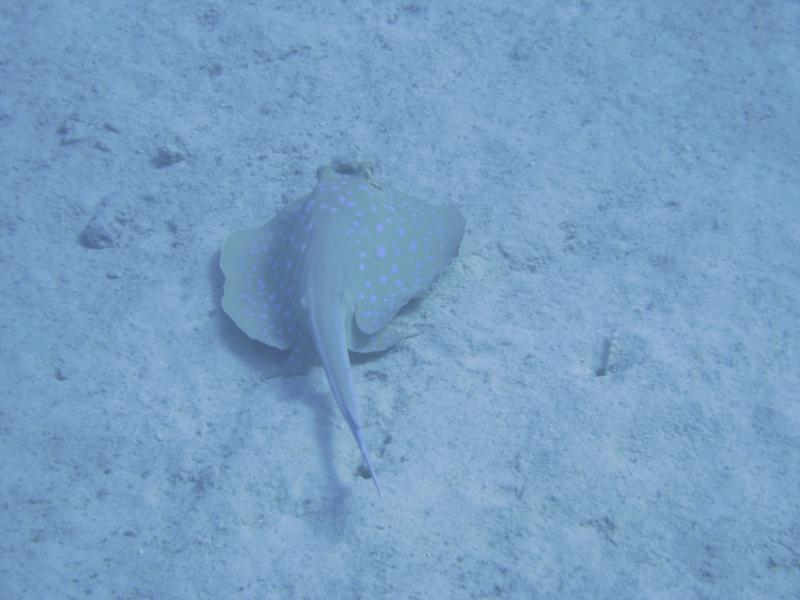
<point>598,399</point>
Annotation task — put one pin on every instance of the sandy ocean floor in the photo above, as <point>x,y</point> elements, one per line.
<point>599,399</point>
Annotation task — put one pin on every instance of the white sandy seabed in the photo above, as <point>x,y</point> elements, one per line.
<point>600,397</point>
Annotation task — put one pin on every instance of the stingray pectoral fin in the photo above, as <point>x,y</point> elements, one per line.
<point>328,330</point>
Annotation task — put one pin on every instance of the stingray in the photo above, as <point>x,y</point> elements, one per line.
<point>330,271</point>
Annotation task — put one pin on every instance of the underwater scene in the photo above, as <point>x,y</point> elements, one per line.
<point>380,299</point>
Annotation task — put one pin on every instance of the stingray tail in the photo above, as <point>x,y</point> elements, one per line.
<point>331,343</point>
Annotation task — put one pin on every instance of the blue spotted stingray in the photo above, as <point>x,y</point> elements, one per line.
<point>330,271</point>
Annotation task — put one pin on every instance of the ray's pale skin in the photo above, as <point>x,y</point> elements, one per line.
<point>329,272</point>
